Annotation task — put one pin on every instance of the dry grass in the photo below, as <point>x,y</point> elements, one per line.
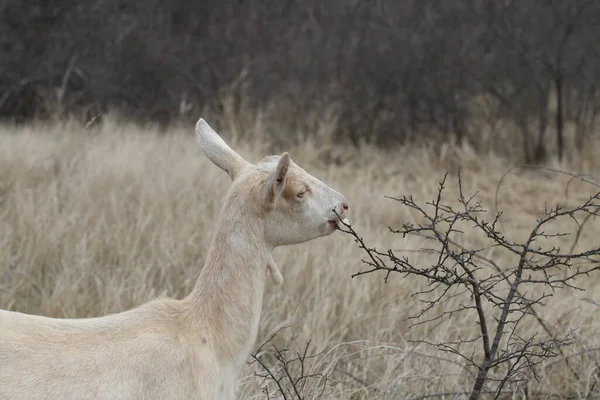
<point>98,221</point>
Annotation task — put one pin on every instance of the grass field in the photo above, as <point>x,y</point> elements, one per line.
<point>100,220</point>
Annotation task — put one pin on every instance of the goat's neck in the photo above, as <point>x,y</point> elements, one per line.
<point>224,306</point>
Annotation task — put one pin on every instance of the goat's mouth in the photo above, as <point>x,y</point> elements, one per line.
<point>335,223</point>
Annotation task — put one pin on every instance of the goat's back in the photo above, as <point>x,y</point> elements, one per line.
<point>136,354</point>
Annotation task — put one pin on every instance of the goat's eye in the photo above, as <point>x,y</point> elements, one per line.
<point>302,193</point>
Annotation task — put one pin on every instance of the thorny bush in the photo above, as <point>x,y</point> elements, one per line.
<point>498,296</point>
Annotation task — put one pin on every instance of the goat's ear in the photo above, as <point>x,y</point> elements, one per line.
<point>217,150</point>
<point>276,181</point>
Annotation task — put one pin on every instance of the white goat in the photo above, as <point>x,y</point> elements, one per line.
<point>192,348</point>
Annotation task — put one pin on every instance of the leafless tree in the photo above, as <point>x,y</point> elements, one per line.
<point>392,70</point>
<point>541,53</point>
<point>498,296</point>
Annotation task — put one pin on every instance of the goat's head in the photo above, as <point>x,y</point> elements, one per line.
<point>296,206</point>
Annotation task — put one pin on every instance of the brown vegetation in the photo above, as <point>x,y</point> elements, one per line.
<point>98,220</point>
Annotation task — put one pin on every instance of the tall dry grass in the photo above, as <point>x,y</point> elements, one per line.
<point>100,220</point>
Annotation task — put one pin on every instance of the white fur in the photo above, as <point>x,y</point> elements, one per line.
<point>192,348</point>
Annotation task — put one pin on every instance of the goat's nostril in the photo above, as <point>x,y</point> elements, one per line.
<point>345,206</point>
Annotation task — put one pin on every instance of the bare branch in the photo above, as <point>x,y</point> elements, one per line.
<point>507,357</point>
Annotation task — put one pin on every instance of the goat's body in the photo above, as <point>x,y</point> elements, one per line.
<point>143,353</point>
<point>166,349</point>
<point>132,355</point>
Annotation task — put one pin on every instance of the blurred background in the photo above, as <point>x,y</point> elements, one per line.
<point>477,72</point>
